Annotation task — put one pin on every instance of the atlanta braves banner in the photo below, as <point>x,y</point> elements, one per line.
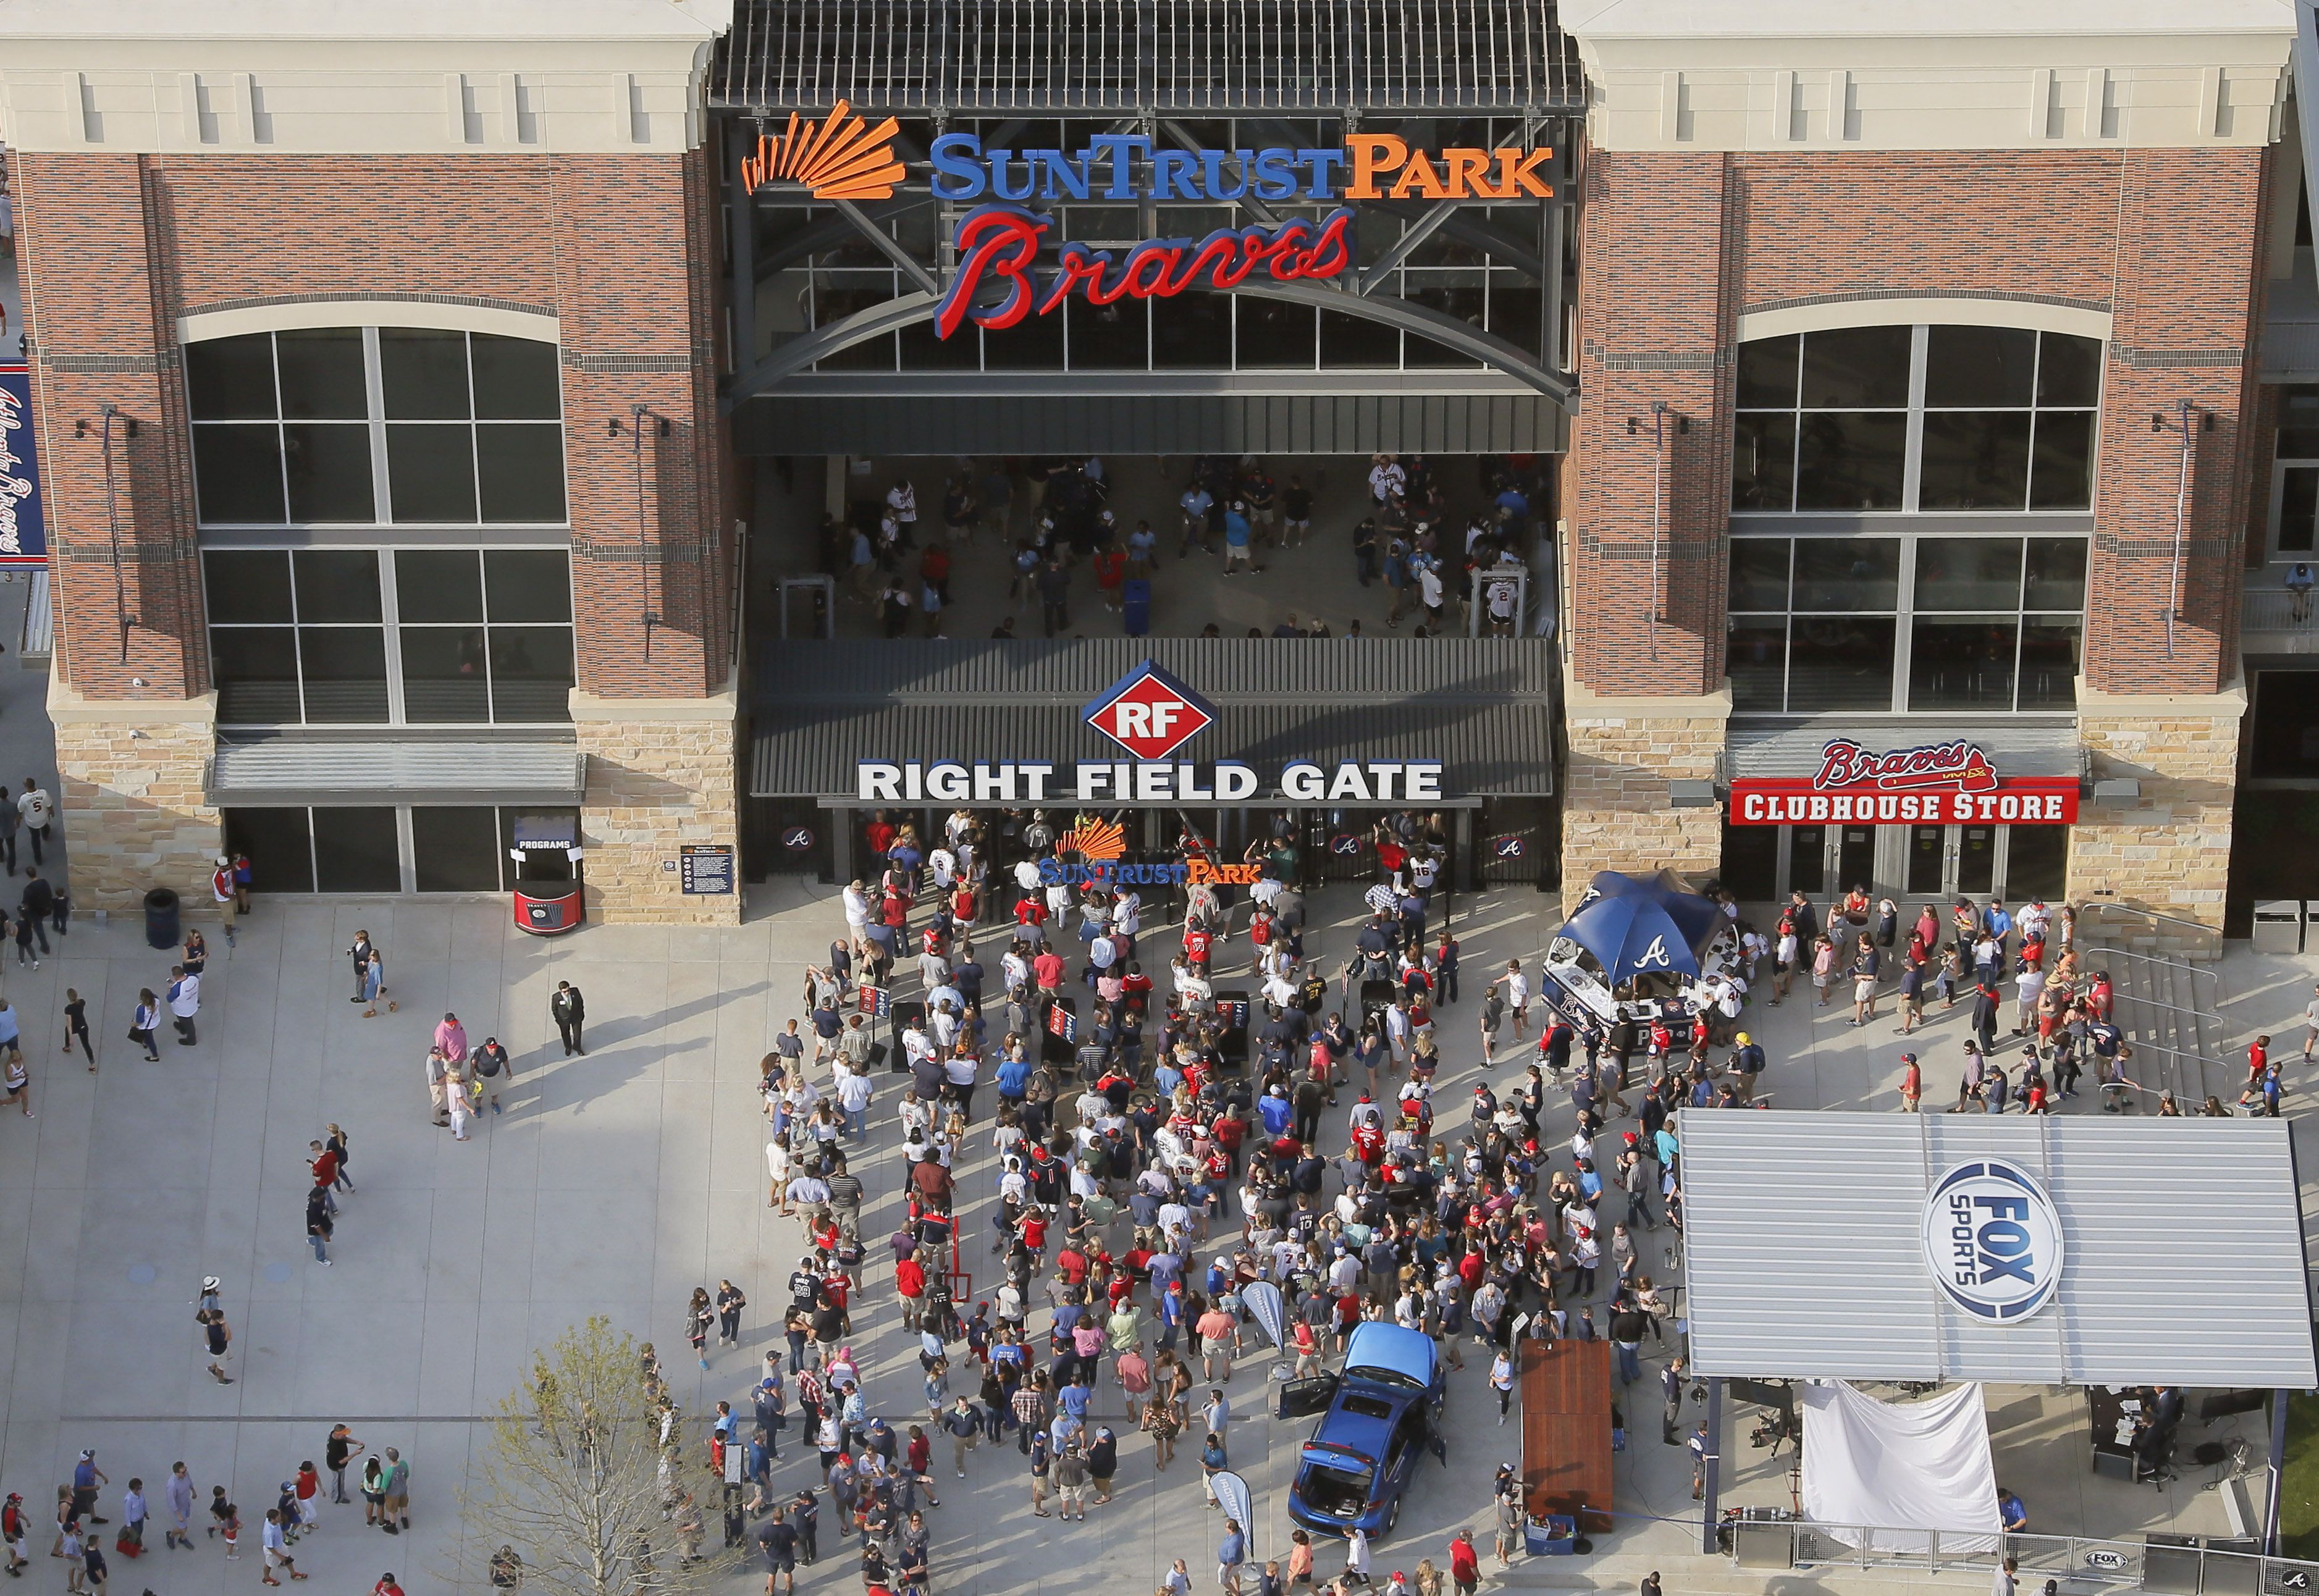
<point>1938,783</point>
<point>24,530</point>
<point>1062,1023</point>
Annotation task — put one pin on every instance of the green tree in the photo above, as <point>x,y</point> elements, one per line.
<point>576,1481</point>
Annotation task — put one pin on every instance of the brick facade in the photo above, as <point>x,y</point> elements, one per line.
<point>1678,245</point>
<point>623,248</point>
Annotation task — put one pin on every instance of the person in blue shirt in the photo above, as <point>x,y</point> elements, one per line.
<point>1237,535</point>
<point>1277,1110</point>
<point>2000,924</point>
<point>1014,1079</point>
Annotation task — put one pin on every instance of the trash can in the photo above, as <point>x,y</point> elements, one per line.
<point>161,918</point>
<point>1135,599</point>
<point>2277,926</point>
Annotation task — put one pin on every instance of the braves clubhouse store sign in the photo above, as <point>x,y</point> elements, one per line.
<point>999,243</point>
<point>1149,715</point>
<point>1940,783</point>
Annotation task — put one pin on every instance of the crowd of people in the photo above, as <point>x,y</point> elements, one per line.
<point>1156,1147</point>
<point>1432,555</point>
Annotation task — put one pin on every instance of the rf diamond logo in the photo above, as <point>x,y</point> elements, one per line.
<point>1150,713</point>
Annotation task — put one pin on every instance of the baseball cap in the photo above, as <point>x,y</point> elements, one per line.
<point>1908,1058</point>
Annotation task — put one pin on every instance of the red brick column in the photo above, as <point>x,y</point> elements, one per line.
<point>1646,516</point>
<point>92,246</point>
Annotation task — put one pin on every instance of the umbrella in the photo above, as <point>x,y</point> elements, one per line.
<point>1643,925</point>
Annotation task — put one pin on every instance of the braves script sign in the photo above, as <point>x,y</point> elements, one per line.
<point>1937,783</point>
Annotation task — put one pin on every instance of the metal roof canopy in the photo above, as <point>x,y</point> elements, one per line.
<point>2046,748</point>
<point>1480,705</point>
<point>291,771</point>
<point>1125,56</point>
<point>2183,1240</point>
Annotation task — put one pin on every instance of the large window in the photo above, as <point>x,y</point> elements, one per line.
<point>1916,418</point>
<point>374,424</point>
<point>380,849</point>
<point>1920,623</point>
<point>390,637</point>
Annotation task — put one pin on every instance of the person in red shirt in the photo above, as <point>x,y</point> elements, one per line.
<point>1391,855</point>
<point>1110,573</point>
<point>879,833</point>
<point>910,1283</point>
<point>1197,944</point>
<point>1135,986</point>
<point>963,905</point>
<point>1368,1144</point>
<point>1464,1564</point>
<point>895,910</point>
<point>1031,912</point>
<point>1049,970</point>
<point>1034,1231</point>
<point>2258,1061</point>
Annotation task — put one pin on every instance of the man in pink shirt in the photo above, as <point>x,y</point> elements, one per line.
<point>452,1037</point>
<point>1215,1329</point>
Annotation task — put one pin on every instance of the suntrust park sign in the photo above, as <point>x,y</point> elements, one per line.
<point>1000,243</point>
<point>1939,783</point>
<point>1149,715</point>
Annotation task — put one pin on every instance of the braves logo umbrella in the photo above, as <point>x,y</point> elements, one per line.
<point>1643,925</point>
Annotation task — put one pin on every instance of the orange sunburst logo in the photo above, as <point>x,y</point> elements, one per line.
<point>840,157</point>
<point>1099,841</point>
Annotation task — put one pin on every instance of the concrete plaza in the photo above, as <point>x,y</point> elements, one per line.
<point>614,1183</point>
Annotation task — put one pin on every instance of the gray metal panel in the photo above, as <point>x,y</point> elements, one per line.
<point>1803,1252</point>
<point>1147,423</point>
<point>38,644</point>
<point>1205,56</point>
<point>2047,748</point>
<point>1482,706</point>
<point>291,772</point>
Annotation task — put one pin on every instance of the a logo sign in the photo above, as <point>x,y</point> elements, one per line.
<point>873,1003</point>
<point>999,241</point>
<point>797,839</point>
<point>706,868</point>
<point>1959,767</point>
<point>842,158</point>
<point>24,529</point>
<point>1940,783</point>
<point>1062,1023</point>
<point>1149,713</point>
<point>1993,1240</point>
<point>1654,957</point>
<point>1001,244</point>
<point>1510,848</point>
<point>2104,1557</point>
<point>1345,844</point>
<point>1095,840</point>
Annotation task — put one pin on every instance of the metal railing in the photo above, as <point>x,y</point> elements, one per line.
<point>2272,610</point>
<point>2200,941</point>
<point>2041,1557</point>
<point>2189,1033</point>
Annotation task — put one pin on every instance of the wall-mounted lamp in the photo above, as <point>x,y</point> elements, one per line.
<point>82,429</point>
<point>613,428</point>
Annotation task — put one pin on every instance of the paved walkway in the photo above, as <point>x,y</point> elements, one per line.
<point>613,1183</point>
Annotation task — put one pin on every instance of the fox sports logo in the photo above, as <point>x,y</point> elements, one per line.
<point>1993,1240</point>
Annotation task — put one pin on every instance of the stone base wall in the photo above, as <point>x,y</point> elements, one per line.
<point>1619,814</point>
<point>131,799</point>
<point>2168,850</point>
<point>661,773</point>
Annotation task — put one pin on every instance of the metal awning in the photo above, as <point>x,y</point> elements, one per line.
<point>1480,705</point>
<point>286,772</point>
<point>819,422</point>
<point>2036,748</point>
<point>1805,1255</point>
<point>1088,56</point>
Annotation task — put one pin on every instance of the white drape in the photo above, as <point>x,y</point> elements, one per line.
<point>1895,1467</point>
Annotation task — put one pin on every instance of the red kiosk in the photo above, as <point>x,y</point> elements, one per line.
<point>546,851</point>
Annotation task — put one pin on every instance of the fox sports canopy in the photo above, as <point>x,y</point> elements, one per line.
<point>2048,1251</point>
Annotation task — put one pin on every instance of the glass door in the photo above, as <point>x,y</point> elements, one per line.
<point>1926,873</point>
<point>1855,859</point>
<point>1976,861</point>
<point>1806,870</point>
<point>2036,862</point>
